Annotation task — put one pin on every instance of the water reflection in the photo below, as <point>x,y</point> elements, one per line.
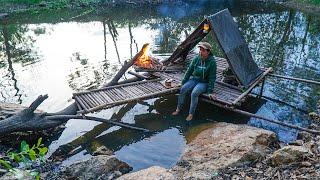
<point>16,46</point>
<point>282,40</point>
<point>61,52</point>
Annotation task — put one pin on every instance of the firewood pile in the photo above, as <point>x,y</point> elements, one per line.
<point>146,62</point>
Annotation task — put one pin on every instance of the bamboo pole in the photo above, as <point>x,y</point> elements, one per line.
<point>128,94</point>
<point>105,95</point>
<point>116,86</point>
<point>260,117</point>
<point>118,97</point>
<point>146,87</point>
<point>138,75</point>
<point>110,95</point>
<point>252,86</point>
<point>102,97</point>
<point>218,99</point>
<point>158,70</point>
<point>134,92</point>
<point>85,101</point>
<point>89,101</point>
<point>119,93</point>
<point>262,86</point>
<point>81,103</point>
<point>295,79</point>
<point>80,117</point>
<point>279,101</point>
<point>92,98</point>
<point>97,98</point>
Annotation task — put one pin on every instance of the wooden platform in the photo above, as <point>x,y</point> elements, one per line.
<point>95,100</point>
<point>90,101</point>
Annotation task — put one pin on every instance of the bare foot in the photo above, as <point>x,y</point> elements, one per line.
<point>189,117</point>
<point>176,112</point>
<point>213,96</point>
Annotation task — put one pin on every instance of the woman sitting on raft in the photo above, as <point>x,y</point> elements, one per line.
<point>203,70</point>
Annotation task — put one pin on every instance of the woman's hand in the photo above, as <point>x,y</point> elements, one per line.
<point>213,96</point>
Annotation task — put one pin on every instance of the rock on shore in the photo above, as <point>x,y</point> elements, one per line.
<point>151,173</point>
<point>221,146</point>
<point>97,167</point>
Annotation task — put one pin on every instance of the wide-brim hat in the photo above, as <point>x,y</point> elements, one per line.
<point>205,45</point>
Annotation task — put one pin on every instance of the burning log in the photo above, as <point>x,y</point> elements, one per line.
<point>127,65</point>
<point>145,61</point>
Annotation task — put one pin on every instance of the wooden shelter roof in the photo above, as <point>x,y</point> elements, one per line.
<point>235,47</point>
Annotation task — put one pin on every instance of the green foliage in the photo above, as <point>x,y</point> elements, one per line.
<point>51,4</point>
<point>26,154</point>
<point>315,2</point>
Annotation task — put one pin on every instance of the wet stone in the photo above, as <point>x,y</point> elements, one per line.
<point>152,173</point>
<point>296,143</point>
<point>97,167</point>
<point>290,154</point>
<point>305,136</point>
<point>223,145</point>
<point>102,150</point>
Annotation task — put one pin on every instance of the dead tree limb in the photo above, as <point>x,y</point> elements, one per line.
<point>28,120</point>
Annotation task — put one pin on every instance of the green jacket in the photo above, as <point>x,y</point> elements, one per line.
<point>204,71</point>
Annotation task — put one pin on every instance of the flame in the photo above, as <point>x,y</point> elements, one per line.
<point>144,60</point>
<point>206,27</point>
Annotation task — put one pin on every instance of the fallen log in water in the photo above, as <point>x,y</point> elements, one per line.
<point>28,120</point>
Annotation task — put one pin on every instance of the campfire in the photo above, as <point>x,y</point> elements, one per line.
<point>145,61</point>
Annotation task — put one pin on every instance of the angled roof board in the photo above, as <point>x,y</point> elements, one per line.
<point>234,46</point>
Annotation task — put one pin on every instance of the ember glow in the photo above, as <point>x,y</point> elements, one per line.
<point>145,60</point>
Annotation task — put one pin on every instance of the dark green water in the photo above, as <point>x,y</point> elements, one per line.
<point>58,53</point>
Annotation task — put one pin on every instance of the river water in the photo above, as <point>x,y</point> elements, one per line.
<point>61,52</point>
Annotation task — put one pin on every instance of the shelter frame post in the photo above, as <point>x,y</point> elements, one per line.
<point>262,87</point>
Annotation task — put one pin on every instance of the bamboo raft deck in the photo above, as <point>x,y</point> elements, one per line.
<point>94,100</point>
<point>111,96</point>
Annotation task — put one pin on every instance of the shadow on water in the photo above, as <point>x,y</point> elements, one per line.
<point>73,50</point>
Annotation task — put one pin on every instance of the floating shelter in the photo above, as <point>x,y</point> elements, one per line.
<point>238,59</point>
<point>153,82</point>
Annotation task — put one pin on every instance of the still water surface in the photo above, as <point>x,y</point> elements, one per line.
<point>58,53</point>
